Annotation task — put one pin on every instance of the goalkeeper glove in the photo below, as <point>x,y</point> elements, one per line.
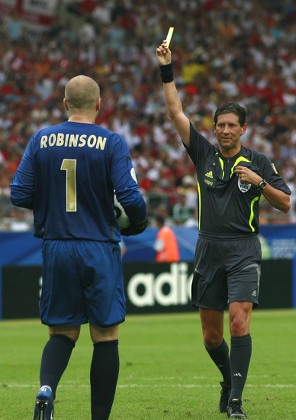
<point>134,228</point>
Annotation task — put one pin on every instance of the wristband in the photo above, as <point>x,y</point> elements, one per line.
<point>166,73</point>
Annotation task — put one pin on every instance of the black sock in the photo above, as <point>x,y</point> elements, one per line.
<point>103,378</point>
<point>240,356</point>
<point>55,358</point>
<point>220,357</point>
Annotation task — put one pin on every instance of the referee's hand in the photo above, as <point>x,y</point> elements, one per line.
<point>247,175</point>
<point>163,54</point>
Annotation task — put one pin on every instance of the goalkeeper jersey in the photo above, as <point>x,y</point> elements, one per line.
<point>227,206</point>
<point>68,175</point>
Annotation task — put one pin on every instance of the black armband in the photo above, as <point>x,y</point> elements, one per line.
<point>166,73</point>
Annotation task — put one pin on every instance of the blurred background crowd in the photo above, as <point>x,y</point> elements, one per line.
<point>224,50</point>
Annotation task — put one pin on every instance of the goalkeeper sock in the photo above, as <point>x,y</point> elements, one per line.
<point>55,358</point>
<point>103,378</point>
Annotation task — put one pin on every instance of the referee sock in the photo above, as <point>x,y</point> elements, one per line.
<point>55,358</point>
<point>240,356</point>
<point>220,357</point>
<point>103,378</point>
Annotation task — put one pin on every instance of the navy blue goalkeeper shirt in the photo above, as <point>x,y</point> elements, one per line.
<point>68,175</point>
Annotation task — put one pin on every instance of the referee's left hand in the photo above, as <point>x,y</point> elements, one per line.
<point>247,175</point>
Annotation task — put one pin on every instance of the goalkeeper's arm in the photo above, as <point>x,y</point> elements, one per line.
<point>135,228</point>
<point>136,210</point>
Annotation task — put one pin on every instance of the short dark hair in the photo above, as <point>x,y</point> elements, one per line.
<point>231,108</point>
<point>160,220</point>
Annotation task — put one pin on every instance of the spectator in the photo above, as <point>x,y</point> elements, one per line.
<point>166,245</point>
<point>181,212</point>
<point>263,54</point>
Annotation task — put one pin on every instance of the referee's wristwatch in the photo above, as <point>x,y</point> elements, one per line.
<point>261,185</point>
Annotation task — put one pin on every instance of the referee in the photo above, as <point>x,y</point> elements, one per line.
<point>231,179</point>
<point>68,175</point>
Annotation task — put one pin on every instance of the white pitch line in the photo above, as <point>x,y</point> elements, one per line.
<point>137,385</point>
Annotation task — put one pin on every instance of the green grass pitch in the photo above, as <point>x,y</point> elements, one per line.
<point>165,371</point>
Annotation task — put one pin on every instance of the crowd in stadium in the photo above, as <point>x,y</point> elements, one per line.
<point>223,50</point>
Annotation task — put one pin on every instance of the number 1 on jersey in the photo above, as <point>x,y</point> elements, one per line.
<point>69,165</point>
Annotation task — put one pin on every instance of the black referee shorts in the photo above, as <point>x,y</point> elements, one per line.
<point>226,270</point>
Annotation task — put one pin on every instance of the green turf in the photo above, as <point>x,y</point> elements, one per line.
<point>165,371</point>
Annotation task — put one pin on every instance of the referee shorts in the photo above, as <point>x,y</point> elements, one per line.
<point>82,282</point>
<point>226,270</point>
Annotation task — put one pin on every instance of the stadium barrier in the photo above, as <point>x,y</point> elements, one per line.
<point>150,287</point>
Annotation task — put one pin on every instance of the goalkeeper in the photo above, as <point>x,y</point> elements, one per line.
<point>67,176</point>
<point>231,179</point>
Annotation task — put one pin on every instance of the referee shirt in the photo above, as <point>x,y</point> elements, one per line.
<point>227,206</point>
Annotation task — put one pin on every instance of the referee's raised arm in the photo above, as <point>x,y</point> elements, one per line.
<point>171,96</point>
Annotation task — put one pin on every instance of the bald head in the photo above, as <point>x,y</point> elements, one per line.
<point>81,95</point>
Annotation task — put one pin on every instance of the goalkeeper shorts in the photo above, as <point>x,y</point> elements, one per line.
<point>82,282</point>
